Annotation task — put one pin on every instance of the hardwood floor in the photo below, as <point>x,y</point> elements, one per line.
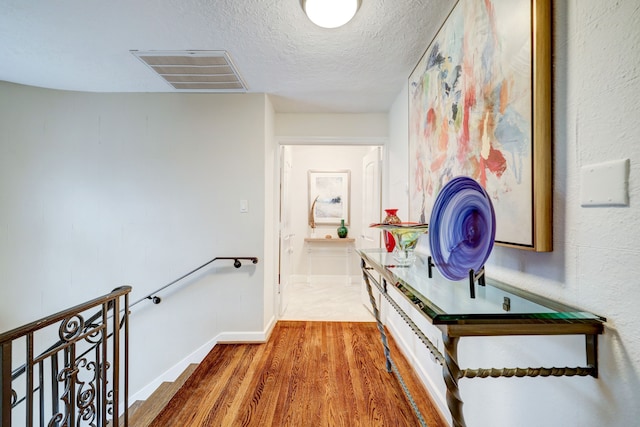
<point>307,374</point>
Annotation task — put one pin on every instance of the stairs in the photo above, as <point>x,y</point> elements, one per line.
<point>143,412</point>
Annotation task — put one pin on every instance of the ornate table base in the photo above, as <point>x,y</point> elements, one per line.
<point>451,333</point>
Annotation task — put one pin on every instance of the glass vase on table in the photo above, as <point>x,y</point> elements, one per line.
<point>405,235</point>
<point>391,218</point>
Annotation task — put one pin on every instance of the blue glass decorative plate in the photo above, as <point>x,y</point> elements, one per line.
<point>462,228</point>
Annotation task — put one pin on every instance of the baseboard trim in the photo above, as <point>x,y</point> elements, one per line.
<point>418,366</point>
<point>247,337</point>
<point>353,279</point>
<point>198,356</point>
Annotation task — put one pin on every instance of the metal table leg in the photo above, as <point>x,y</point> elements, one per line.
<point>451,373</point>
<point>376,313</point>
<point>391,367</point>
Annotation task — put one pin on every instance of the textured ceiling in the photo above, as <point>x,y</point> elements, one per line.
<point>84,45</point>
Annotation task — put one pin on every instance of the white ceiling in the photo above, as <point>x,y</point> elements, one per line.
<point>84,45</point>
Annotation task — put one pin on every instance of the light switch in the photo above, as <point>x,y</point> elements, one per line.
<point>244,206</point>
<point>605,184</point>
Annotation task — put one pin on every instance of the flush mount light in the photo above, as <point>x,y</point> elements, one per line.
<point>330,13</point>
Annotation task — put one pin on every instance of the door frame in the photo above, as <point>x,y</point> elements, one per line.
<point>314,140</point>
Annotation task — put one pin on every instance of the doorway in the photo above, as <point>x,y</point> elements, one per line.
<point>318,289</point>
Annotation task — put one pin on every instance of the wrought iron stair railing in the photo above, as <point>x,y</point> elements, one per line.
<point>81,380</point>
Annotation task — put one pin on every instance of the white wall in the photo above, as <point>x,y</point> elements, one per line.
<point>101,190</point>
<point>272,212</point>
<point>348,128</point>
<point>595,263</point>
<point>395,179</point>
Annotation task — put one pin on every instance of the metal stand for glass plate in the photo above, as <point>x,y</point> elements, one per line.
<point>473,276</point>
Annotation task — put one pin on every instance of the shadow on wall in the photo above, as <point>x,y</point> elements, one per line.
<point>546,265</point>
<point>611,352</point>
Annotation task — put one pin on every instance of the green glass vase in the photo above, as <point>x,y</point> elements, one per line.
<point>342,230</point>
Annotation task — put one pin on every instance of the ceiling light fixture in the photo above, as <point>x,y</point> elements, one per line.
<point>330,13</point>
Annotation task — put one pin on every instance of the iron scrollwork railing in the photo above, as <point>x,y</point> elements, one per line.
<point>157,300</point>
<point>81,380</point>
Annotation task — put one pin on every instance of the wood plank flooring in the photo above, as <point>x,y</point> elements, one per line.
<point>307,374</point>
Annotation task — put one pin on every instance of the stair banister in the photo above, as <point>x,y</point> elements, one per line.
<point>107,342</point>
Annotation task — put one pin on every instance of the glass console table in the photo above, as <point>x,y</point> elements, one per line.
<point>317,247</point>
<point>473,308</point>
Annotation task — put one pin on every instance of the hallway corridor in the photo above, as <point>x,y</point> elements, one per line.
<point>327,301</point>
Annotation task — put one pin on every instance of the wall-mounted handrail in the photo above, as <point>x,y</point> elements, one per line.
<point>9,398</point>
<point>157,300</point>
<point>74,331</point>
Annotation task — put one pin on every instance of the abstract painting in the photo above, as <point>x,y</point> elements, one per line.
<point>480,106</point>
<point>330,191</point>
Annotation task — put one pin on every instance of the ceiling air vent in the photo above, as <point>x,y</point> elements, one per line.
<point>195,70</point>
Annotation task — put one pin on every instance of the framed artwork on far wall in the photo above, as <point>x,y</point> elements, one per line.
<point>480,106</point>
<point>331,192</point>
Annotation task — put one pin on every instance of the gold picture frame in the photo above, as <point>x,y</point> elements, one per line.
<point>480,106</point>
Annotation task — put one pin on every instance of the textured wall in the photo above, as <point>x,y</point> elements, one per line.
<point>101,190</point>
<point>332,126</point>
<point>596,261</point>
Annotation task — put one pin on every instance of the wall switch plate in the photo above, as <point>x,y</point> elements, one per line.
<point>244,206</point>
<point>605,184</point>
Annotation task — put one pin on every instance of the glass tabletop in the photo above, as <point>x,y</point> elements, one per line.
<point>447,301</point>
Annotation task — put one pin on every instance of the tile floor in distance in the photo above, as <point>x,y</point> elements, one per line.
<point>326,301</point>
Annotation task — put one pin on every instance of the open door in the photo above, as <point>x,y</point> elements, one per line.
<point>286,236</point>
<point>371,207</point>
<point>371,203</point>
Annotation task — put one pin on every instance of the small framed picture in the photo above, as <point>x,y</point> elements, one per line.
<point>329,196</point>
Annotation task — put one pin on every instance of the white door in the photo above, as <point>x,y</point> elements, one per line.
<point>286,236</point>
<point>371,208</point>
<point>371,204</point>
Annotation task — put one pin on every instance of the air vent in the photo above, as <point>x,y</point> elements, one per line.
<point>195,70</point>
